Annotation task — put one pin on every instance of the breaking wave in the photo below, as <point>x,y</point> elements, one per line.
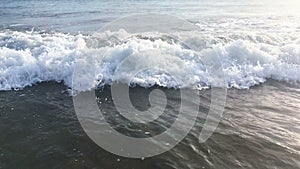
<point>247,59</point>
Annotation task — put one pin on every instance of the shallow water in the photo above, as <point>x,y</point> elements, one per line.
<point>259,129</point>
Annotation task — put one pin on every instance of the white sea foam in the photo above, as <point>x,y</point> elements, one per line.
<point>247,59</point>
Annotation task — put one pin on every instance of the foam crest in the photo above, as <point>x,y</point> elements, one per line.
<point>28,58</point>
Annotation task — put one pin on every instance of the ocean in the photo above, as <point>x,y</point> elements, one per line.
<point>164,53</point>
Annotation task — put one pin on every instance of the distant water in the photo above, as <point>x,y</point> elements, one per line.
<point>258,43</point>
<point>89,15</point>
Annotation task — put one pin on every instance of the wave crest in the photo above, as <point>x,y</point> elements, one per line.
<point>248,59</point>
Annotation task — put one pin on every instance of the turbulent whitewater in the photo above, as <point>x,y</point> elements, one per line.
<point>247,58</point>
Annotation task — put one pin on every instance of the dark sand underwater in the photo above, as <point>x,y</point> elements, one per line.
<point>259,129</point>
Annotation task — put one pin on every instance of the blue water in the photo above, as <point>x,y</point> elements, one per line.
<point>90,15</point>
